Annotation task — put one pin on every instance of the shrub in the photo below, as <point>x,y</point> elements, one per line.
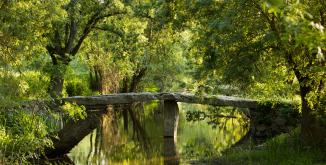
<point>23,136</point>
<point>77,88</point>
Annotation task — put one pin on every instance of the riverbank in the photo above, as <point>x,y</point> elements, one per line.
<point>284,149</point>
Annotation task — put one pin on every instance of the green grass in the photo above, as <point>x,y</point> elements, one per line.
<point>285,149</point>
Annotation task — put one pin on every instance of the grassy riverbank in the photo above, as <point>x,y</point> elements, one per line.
<point>285,149</point>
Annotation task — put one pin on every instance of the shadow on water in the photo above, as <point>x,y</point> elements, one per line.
<point>144,143</point>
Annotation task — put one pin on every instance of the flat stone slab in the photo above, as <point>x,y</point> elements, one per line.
<point>124,98</point>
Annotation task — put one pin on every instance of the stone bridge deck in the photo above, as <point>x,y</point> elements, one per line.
<point>124,98</point>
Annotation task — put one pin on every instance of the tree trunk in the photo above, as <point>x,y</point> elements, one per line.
<point>307,132</point>
<point>313,133</point>
<point>56,81</point>
<point>96,78</point>
<point>73,132</point>
<point>57,72</point>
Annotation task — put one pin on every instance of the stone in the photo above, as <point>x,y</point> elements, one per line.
<point>171,118</point>
<point>124,98</point>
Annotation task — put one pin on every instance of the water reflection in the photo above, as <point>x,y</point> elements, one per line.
<point>144,143</point>
<point>170,151</point>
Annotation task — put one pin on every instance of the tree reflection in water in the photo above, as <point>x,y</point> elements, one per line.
<point>144,142</point>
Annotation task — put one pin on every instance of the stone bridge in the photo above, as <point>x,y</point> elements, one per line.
<point>72,133</point>
<point>124,98</point>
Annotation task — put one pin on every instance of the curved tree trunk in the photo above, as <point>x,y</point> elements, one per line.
<point>72,133</point>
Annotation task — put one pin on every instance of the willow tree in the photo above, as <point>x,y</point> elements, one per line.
<point>265,42</point>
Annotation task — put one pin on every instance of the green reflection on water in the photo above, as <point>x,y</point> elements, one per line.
<point>110,144</point>
<point>199,140</point>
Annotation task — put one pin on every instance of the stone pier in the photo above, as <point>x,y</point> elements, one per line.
<point>171,119</point>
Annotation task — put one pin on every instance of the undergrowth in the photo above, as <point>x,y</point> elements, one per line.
<point>285,149</point>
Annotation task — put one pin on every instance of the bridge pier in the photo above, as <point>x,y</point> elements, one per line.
<point>171,119</point>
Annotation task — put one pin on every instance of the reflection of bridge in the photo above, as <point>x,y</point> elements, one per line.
<point>72,133</point>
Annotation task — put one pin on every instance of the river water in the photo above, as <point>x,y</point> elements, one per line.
<point>143,143</point>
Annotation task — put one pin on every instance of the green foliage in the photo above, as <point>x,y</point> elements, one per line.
<point>236,45</point>
<point>23,26</point>
<point>265,49</point>
<point>77,88</point>
<point>23,136</point>
<point>74,111</point>
<point>76,78</point>
<point>283,149</point>
<point>21,86</point>
<point>209,131</point>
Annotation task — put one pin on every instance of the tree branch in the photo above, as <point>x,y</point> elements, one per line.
<point>109,30</point>
<point>89,26</point>
<point>72,35</point>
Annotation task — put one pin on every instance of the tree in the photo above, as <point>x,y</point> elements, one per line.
<point>22,26</point>
<point>240,42</point>
<point>22,45</point>
<point>301,39</point>
<point>68,34</point>
<point>131,48</point>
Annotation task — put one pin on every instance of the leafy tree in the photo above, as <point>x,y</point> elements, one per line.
<point>252,43</point>
<point>23,24</point>
<point>68,34</point>
<point>57,27</point>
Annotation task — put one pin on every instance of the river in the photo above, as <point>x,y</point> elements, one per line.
<point>202,140</point>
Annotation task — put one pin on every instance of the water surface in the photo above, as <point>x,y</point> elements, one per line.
<point>143,143</point>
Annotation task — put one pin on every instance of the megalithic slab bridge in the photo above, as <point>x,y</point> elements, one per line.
<point>124,98</point>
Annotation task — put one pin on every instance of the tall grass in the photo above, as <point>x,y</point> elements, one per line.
<point>286,149</point>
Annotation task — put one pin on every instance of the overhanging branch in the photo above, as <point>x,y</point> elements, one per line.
<point>90,25</point>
